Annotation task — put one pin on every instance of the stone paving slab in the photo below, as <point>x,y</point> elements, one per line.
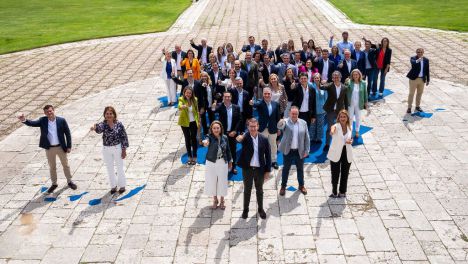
<point>64,73</point>
<point>405,204</point>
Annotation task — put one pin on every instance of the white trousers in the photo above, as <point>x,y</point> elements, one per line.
<point>355,113</point>
<point>113,155</point>
<point>216,178</point>
<point>272,141</point>
<point>171,91</point>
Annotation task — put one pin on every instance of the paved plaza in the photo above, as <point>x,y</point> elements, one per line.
<point>408,188</point>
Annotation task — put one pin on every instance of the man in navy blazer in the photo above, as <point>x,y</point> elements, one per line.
<point>267,68</point>
<point>255,161</point>
<point>305,99</point>
<point>230,117</point>
<point>418,76</point>
<point>346,66</point>
<point>326,67</point>
<point>56,140</point>
<point>268,117</point>
<point>252,47</point>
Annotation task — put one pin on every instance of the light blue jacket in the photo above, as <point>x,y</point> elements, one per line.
<point>321,98</point>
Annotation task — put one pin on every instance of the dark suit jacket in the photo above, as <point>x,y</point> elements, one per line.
<point>199,90</point>
<point>252,76</point>
<point>264,156</point>
<point>266,74</point>
<point>246,48</point>
<point>305,57</point>
<point>387,57</point>
<point>416,69</point>
<point>372,60</point>
<point>217,88</point>
<point>246,107</point>
<point>312,99</point>
<point>344,70</point>
<point>244,76</point>
<point>223,118</point>
<point>199,49</point>
<point>331,68</point>
<point>63,132</point>
<point>341,100</point>
<point>270,53</point>
<point>266,121</point>
<point>361,62</point>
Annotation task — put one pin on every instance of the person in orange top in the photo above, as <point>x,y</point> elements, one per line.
<point>191,63</point>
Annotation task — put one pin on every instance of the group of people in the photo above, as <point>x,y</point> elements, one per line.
<point>293,93</point>
<point>278,99</point>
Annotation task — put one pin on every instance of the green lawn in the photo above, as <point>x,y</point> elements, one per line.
<point>441,14</point>
<point>26,24</point>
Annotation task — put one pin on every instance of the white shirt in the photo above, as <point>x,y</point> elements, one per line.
<point>338,91</point>
<point>241,99</point>
<point>305,100</point>
<point>52,135</point>
<point>348,63</point>
<point>179,60</point>
<point>421,73</point>
<point>355,97</point>
<point>254,161</point>
<point>252,49</point>
<point>275,96</point>
<point>215,77</point>
<point>190,114</point>
<point>325,70</point>
<point>209,97</point>
<point>203,55</point>
<point>229,117</point>
<point>295,136</point>
<point>309,75</point>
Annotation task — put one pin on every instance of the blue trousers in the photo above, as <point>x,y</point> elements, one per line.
<point>292,156</point>
<point>316,129</point>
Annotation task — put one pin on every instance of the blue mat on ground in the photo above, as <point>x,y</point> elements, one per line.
<point>440,109</point>
<point>165,102</point>
<point>386,93</point>
<point>95,202</point>
<point>76,197</point>
<point>422,114</point>
<point>131,193</point>
<point>43,189</point>
<point>50,199</point>
<point>291,189</point>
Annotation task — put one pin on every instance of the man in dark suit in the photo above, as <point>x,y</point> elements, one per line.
<point>305,99</point>
<point>336,101</point>
<point>216,76</point>
<point>418,76</point>
<point>283,66</point>
<point>56,140</point>
<point>268,117</point>
<point>370,65</point>
<point>241,98</point>
<point>251,68</point>
<point>346,66</point>
<point>267,69</point>
<point>326,67</point>
<point>358,55</point>
<point>305,53</point>
<point>203,51</point>
<point>266,50</point>
<point>230,117</point>
<point>252,47</point>
<point>240,72</point>
<point>255,161</point>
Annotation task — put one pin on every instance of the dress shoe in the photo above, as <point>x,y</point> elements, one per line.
<point>52,188</point>
<point>122,190</point>
<point>72,185</point>
<point>113,190</point>
<point>408,111</point>
<point>333,195</point>
<point>275,165</point>
<point>262,214</point>
<point>282,191</point>
<point>303,190</point>
<point>245,214</point>
<point>419,109</point>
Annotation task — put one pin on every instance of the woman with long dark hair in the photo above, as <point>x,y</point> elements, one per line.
<point>189,121</point>
<point>384,58</point>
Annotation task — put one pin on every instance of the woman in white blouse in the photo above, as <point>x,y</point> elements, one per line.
<point>229,83</point>
<point>357,98</point>
<point>340,153</point>
<point>169,70</point>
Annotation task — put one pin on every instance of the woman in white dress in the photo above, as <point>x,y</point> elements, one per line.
<point>357,98</point>
<point>218,164</point>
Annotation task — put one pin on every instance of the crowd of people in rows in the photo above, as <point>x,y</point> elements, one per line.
<point>270,101</point>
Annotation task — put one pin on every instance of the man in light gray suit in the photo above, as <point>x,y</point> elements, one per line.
<point>295,146</point>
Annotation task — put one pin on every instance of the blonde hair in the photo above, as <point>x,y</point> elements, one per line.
<point>204,73</point>
<point>359,72</point>
<point>348,122</point>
